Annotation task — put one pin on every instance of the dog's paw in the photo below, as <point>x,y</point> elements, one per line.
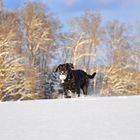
<point>67,96</point>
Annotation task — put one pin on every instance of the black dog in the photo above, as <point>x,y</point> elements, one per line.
<point>74,80</point>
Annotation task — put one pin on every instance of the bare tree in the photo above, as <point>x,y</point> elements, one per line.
<point>117,39</point>
<point>119,75</point>
<point>88,27</point>
<point>135,56</point>
<point>1,10</point>
<point>12,71</point>
<point>27,37</point>
<point>37,30</point>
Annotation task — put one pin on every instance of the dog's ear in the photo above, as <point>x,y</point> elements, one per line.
<point>70,65</point>
<point>57,68</point>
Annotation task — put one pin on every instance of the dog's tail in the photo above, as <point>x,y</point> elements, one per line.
<point>91,76</point>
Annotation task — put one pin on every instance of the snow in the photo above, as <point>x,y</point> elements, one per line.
<point>98,118</point>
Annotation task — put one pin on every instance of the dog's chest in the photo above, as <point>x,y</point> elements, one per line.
<point>70,84</point>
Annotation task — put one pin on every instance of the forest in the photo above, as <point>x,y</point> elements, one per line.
<point>33,43</point>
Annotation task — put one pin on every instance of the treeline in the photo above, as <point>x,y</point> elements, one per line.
<point>32,43</point>
<point>27,38</point>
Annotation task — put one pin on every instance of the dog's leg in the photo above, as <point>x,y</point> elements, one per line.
<point>85,89</point>
<point>66,94</point>
<point>78,90</point>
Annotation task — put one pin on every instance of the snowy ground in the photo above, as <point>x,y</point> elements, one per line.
<point>98,118</point>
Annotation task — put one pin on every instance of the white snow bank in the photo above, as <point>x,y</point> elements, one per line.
<point>100,118</point>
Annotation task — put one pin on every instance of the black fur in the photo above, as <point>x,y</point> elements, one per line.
<point>75,79</point>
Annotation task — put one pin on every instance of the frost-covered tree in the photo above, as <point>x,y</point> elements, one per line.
<point>27,36</point>
<point>119,75</point>
<point>14,84</point>
<point>87,27</point>
<point>117,40</point>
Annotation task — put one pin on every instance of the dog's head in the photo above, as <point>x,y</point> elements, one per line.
<point>63,70</point>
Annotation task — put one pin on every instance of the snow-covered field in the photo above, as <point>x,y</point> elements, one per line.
<point>98,118</point>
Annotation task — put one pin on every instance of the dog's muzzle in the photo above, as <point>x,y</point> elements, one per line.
<point>62,78</point>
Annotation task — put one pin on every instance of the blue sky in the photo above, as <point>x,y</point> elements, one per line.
<point>123,10</point>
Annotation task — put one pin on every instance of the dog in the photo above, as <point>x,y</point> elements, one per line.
<point>73,80</point>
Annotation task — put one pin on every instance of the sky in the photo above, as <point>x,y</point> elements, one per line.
<point>123,10</point>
